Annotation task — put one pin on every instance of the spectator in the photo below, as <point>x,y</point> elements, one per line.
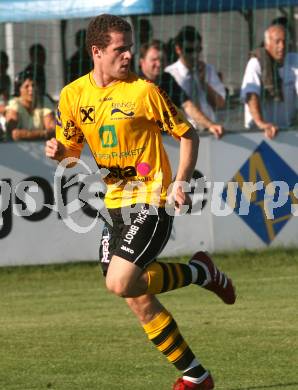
<point>290,31</point>
<point>5,83</point>
<point>198,79</point>
<point>79,63</point>
<point>143,33</point>
<point>171,52</point>
<point>270,82</point>
<point>37,55</point>
<point>29,115</point>
<point>3,103</point>
<point>152,62</point>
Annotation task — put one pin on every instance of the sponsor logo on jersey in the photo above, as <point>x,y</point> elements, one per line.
<point>143,168</point>
<point>108,136</point>
<point>115,110</point>
<point>167,124</point>
<point>116,172</point>
<point>167,120</point>
<point>58,117</point>
<point>70,131</point>
<point>168,101</point>
<point>124,154</point>
<point>87,114</point>
<point>126,108</point>
<point>105,99</point>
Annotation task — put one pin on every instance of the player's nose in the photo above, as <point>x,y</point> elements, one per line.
<point>128,54</point>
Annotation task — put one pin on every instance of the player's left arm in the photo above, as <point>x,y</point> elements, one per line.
<point>189,147</point>
<point>167,115</point>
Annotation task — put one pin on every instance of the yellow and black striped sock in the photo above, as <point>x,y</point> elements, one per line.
<point>164,277</point>
<point>164,333</point>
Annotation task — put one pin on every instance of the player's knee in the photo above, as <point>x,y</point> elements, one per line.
<point>119,287</point>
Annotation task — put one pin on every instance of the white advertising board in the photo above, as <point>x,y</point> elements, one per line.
<point>32,231</point>
<point>44,236</point>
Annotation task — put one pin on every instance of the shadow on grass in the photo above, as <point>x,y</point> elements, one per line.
<point>273,386</point>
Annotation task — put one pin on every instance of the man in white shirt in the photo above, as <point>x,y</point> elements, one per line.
<point>198,79</point>
<point>270,82</point>
<point>152,58</point>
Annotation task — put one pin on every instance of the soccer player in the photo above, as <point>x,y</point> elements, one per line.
<point>121,117</point>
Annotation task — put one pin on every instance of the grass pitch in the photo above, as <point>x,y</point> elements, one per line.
<point>61,330</point>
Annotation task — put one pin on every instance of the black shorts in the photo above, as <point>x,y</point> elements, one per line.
<point>138,238</point>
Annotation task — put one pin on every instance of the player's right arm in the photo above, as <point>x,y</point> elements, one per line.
<point>189,148</point>
<point>69,139</point>
<point>55,150</point>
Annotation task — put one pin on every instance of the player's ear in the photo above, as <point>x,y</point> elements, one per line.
<point>96,52</point>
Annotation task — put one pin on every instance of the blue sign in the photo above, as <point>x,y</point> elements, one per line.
<point>265,165</point>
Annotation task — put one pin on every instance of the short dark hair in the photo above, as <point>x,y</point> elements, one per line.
<point>144,30</point>
<point>187,33</point>
<point>155,44</point>
<point>3,59</point>
<point>36,48</point>
<point>98,31</point>
<point>20,78</point>
<point>283,20</point>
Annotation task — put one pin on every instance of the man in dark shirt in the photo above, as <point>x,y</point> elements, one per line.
<point>80,62</point>
<point>37,54</point>
<point>152,63</point>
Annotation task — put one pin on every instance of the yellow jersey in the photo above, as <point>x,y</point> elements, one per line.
<point>122,124</point>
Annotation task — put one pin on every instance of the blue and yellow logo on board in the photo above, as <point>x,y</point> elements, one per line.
<point>266,167</point>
